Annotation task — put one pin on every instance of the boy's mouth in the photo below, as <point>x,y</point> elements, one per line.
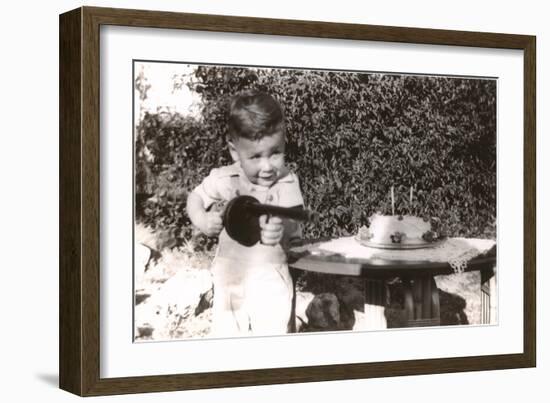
<point>266,175</point>
<point>267,179</point>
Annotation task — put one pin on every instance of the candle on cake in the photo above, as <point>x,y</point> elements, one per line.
<point>392,202</point>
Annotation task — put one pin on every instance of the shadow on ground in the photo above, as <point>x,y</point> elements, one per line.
<point>452,309</point>
<point>50,379</point>
<point>335,301</point>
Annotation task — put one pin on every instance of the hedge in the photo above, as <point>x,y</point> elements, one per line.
<point>350,138</point>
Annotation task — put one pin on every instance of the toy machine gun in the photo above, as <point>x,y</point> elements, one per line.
<point>241,218</point>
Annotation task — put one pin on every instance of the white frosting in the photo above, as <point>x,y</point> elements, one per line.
<point>382,227</point>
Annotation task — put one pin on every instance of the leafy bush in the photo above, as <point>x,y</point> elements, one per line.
<point>350,137</point>
<point>171,159</point>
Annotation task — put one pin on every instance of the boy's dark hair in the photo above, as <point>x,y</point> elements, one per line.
<point>254,115</point>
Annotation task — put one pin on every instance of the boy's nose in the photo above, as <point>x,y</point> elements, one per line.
<point>266,164</point>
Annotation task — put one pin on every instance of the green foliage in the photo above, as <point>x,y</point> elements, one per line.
<point>171,159</point>
<point>350,137</point>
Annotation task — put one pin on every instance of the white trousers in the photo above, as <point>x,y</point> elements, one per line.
<point>250,298</point>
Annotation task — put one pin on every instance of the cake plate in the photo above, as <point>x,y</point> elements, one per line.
<point>399,246</point>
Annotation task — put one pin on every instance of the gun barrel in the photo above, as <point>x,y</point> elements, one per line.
<point>240,218</point>
<point>295,213</point>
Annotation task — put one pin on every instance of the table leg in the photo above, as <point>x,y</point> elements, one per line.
<point>409,301</point>
<point>375,303</point>
<point>292,328</point>
<point>488,296</point>
<point>422,302</point>
<point>436,307</point>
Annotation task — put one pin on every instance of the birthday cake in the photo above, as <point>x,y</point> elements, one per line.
<point>399,231</point>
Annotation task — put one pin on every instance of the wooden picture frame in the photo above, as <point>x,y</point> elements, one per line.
<point>79,316</point>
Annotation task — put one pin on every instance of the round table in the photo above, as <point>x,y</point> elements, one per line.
<point>422,307</point>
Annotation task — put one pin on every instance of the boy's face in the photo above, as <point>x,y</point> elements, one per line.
<point>261,160</point>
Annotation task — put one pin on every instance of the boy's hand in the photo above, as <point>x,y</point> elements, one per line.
<point>272,230</point>
<point>213,223</point>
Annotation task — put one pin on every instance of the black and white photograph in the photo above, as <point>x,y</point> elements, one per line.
<point>242,201</point>
<point>275,201</point>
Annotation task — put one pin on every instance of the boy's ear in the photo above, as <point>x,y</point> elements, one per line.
<point>232,151</point>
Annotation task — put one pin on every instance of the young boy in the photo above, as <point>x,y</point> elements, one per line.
<point>252,285</point>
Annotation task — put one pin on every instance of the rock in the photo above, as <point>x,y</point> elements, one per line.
<point>183,288</point>
<point>142,254</point>
<point>171,304</point>
<point>205,302</point>
<point>145,236</point>
<point>154,240</point>
<point>341,305</point>
<point>144,331</point>
<point>141,296</point>
<point>323,313</point>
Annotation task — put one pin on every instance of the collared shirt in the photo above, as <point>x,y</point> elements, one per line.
<point>228,182</point>
<point>225,183</point>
